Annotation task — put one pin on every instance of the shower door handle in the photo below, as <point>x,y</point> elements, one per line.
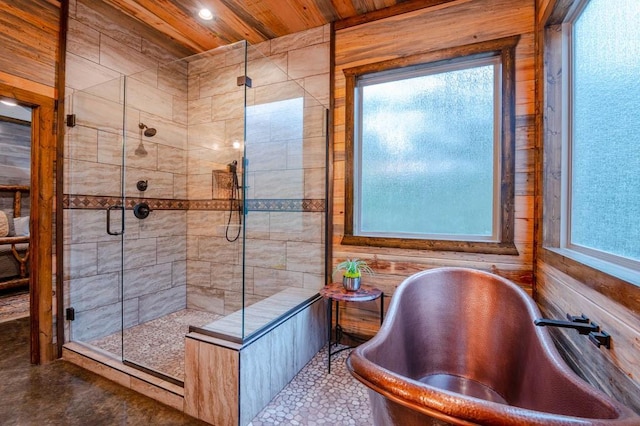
<point>121,208</point>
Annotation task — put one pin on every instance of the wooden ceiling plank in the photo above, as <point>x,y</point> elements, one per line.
<point>180,17</point>
<point>344,8</point>
<point>176,27</point>
<point>230,17</point>
<point>264,13</point>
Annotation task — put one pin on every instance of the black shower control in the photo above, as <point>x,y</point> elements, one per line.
<point>142,185</point>
<point>141,210</point>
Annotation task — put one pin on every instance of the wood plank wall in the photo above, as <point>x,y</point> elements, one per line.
<point>29,44</point>
<point>564,285</point>
<point>442,26</point>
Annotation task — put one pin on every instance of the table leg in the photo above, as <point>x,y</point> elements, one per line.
<point>338,328</point>
<point>381,308</point>
<point>329,323</point>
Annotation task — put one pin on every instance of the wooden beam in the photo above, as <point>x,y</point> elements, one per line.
<point>398,9</point>
<point>30,85</point>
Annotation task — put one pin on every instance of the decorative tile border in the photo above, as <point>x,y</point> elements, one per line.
<point>305,205</point>
<point>92,202</point>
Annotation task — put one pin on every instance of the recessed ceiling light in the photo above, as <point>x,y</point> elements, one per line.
<point>205,14</point>
<point>9,102</point>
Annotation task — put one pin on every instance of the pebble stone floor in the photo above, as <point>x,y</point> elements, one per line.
<point>315,397</point>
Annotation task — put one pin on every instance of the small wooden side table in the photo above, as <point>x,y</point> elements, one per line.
<point>335,292</point>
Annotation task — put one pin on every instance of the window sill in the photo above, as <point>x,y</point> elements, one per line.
<point>615,271</point>
<point>435,245</point>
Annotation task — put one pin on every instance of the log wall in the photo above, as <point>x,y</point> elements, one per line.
<point>442,26</point>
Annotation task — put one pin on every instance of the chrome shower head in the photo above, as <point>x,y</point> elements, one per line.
<point>148,131</point>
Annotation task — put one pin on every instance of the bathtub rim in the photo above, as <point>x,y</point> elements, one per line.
<point>466,410</point>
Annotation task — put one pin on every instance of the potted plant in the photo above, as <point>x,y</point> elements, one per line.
<point>353,269</point>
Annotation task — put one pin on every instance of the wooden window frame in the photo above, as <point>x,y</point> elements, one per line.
<point>617,287</point>
<point>505,49</point>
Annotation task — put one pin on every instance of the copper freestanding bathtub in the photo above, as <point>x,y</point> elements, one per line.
<point>459,346</point>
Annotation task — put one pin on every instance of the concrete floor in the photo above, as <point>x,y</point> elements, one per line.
<point>63,394</point>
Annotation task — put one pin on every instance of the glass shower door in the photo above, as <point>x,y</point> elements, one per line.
<point>93,216</point>
<point>154,246</point>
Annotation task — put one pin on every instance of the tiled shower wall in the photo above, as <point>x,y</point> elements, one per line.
<point>102,47</point>
<point>285,183</point>
<point>197,108</point>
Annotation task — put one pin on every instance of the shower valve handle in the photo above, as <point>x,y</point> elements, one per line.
<point>141,210</point>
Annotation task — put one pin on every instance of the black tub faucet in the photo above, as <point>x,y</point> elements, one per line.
<point>582,327</point>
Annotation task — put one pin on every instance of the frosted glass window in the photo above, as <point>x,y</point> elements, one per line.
<point>605,143</point>
<point>426,146</point>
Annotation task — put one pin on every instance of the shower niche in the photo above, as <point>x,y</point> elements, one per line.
<point>230,252</point>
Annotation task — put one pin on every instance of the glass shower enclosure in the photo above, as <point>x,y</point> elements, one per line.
<point>195,197</point>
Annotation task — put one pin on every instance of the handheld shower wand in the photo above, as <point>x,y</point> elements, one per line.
<point>234,198</point>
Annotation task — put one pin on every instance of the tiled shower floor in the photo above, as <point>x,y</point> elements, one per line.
<point>313,397</point>
<point>157,344</point>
